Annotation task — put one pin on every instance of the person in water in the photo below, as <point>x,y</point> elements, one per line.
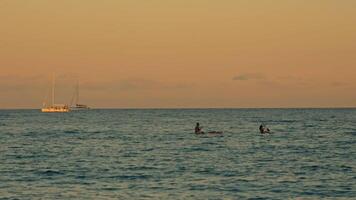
<point>263,129</point>
<point>198,129</point>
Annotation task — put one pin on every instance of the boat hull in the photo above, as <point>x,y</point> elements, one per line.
<point>55,110</point>
<point>78,107</point>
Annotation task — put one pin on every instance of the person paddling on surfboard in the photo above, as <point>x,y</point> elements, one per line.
<point>198,129</point>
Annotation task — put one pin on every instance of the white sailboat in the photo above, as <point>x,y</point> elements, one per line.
<point>54,107</point>
<point>75,105</point>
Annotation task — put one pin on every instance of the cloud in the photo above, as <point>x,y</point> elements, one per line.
<point>338,84</point>
<point>288,81</point>
<point>134,85</point>
<point>249,76</point>
<point>144,84</point>
<point>12,82</point>
<point>16,78</point>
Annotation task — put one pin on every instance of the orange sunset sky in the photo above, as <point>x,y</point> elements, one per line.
<point>179,53</point>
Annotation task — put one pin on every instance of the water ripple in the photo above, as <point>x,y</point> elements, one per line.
<point>153,154</point>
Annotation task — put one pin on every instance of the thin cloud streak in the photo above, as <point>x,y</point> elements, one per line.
<point>249,76</point>
<point>134,85</point>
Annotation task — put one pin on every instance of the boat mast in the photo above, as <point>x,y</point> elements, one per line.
<point>44,103</point>
<point>53,87</point>
<point>77,99</point>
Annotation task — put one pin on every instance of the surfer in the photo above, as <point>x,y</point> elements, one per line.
<point>263,129</point>
<point>198,129</point>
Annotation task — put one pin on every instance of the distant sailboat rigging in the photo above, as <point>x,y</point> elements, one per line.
<point>53,107</point>
<point>75,105</point>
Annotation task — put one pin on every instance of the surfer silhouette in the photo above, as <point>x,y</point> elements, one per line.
<point>198,129</point>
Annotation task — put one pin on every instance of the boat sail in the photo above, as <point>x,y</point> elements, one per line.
<point>75,105</point>
<point>54,107</point>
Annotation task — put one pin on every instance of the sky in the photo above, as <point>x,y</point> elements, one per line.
<point>179,53</point>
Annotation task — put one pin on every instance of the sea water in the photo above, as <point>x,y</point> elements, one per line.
<point>154,154</point>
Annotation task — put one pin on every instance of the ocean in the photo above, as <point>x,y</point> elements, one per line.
<point>154,154</point>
